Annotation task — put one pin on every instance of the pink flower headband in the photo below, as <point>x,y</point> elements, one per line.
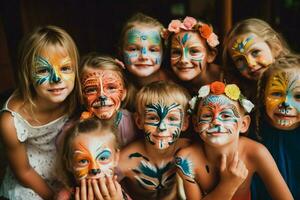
<point>190,23</point>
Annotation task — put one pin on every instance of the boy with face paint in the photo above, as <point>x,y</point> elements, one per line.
<point>278,119</point>
<point>148,164</point>
<point>222,164</point>
<point>192,52</point>
<point>88,158</point>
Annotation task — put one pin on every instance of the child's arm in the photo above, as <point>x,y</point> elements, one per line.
<point>269,173</point>
<point>18,161</point>
<point>232,175</point>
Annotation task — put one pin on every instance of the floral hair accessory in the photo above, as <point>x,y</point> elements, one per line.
<point>232,91</point>
<point>190,23</point>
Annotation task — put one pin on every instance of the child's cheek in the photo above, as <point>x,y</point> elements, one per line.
<point>80,173</point>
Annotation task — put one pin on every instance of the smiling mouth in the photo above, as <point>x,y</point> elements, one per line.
<point>162,137</point>
<point>283,116</point>
<point>56,90</point>
<point>143,65</point>
<point>99,105</point>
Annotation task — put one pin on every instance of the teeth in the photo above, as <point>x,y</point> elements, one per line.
<point>283,122</point>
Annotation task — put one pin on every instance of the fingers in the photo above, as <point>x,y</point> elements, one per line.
<point>96,189</point>
<point>83,193</point>
<point>234,161</point>
<point>223,162</point>
<point>90,190</point>
<point>118,188</point>
<point>103,188</point>
<point>111,185</point>
<point>77,195</point>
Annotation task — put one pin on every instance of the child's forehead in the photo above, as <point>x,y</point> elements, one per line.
<point>217,101</point>
<point>93,139</point>
<point>284,76</point>
<point>158,105</point>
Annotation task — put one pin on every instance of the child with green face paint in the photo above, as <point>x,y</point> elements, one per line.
<point>249,49</point>
<point>221,165</point>
<point>48,92</point>
<point>192,46</point>
<point>278,118</point>
<point>147,164</point>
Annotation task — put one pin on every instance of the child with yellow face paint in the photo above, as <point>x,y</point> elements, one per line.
<point>48,92</point>
<point>88,159</point>
<point>147,165</point>
<point>222,164</point>
<point>192,46</point>
<point>278,119</point>
<point>249,49</point>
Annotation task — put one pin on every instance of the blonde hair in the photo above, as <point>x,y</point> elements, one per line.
<point>162,92</point>
<point>139,19</point>
<point>96,61</point>
<point>105,128</point>
<point>283,63</point>
<point>263,30</point>
<point>32,45</point>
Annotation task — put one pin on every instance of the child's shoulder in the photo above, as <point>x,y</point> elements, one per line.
<point>135,146</point>
<point>254,150</point>
<point>190,150</point>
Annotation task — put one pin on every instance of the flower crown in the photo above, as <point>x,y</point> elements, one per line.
<point>190,23</point>
<point>231,90</point>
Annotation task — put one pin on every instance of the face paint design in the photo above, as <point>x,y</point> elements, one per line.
<point>218,120</point>
<point>103,91</point>
<point>93,157</point>
<point>282,99</point>
<point>251,55</point>
<point>153,177</point>
<point>162,124</point>
<point>186,168</point>
<point>142,51</point>
<point>188,55</point>
<point>53,74</point>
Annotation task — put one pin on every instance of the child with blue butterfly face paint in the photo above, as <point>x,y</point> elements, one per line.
<point>278,118</point>
<point>88,159</point>
<point>48,92</point>
<point>222,164</point>
<point>142,49</point>
<point>192,46</point>
<point>147,165</point>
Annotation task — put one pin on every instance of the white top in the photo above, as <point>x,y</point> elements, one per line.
<point>41,152</point>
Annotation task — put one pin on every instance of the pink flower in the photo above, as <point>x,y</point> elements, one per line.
<point>174,26</point>
<point>188,23</point>
<point>212,40</point>
<point>164,33</point>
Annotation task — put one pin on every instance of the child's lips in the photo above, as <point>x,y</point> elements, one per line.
<point>56,91</point>
<point>143,65</point>
<point>283,116</point>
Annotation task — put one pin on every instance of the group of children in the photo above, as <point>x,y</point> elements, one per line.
<point>101,128</point>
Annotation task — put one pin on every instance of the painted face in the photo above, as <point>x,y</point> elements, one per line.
<point>53,74</point>
<point>188,55</point>
<point>282,99</point>
<point>162,124</point>
<point>251,55</point>
<point>142,50</point>
<point>93,156</point>
<point>103,91</point>
<point>218,120</point>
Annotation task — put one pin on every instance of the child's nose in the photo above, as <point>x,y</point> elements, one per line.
<point>54,77</point>
<point>143,54</point>
<point>251,61</point>
<point>162,126</point>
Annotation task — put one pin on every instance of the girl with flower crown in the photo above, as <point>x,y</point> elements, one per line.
<point>222,164</point>
<point>192,46</point>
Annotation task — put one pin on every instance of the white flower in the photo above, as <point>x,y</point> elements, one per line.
<point>248,105</point>
<point>192,103</point>
<point>204,91</point>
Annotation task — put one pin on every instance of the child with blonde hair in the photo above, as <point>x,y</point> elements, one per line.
<point>249,49</point>
<point>221,165</point>
<point>278,118</point>
<point>147,165</point>
<point>192,46</point>
<point>48,92</point>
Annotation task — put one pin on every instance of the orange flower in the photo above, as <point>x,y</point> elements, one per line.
<point>205,31</point>
<point>86,115</point>
<point>217,87</point>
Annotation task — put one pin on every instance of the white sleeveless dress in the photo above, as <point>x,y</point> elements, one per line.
<point>41,152</point>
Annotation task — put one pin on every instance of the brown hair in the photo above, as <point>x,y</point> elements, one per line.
<point>32,45</point>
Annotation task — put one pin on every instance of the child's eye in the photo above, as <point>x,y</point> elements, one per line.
<point>175,52</point>
<point>205,116</point>
<point>83,161</point>
<point>42,71</point>
<point>297,97</point>
<point>66,69</point>
<point>173,118</point>
<point>112,87</point>
<point>90,90</point>
<point>225,116</point>
<point>154,49</point>
<point>152,118</point>
<point>194,51</point>
<point>132,48</point>
<point>276,94</point>
<point>103,156</point>
<point>255,53</point>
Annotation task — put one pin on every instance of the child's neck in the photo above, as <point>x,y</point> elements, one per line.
<point>214,154</point>
<point>157,155</point>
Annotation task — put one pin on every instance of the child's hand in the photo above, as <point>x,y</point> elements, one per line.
<point>234,173</point>
<point>106,188</point>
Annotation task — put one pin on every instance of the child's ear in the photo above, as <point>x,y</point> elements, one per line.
<point>186,122</point>
<point>211,55</point>
<point>245,123</point>
<point>124,94</point>
<point>138,120</point>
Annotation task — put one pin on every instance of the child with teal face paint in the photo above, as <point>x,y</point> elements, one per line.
<point>147,165</point>
<point>142,49</point>
<point>48,92</point>
<point>192,46</point>
<point>278,119</point>
<point>249,49</point>
<point>221,165</point>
